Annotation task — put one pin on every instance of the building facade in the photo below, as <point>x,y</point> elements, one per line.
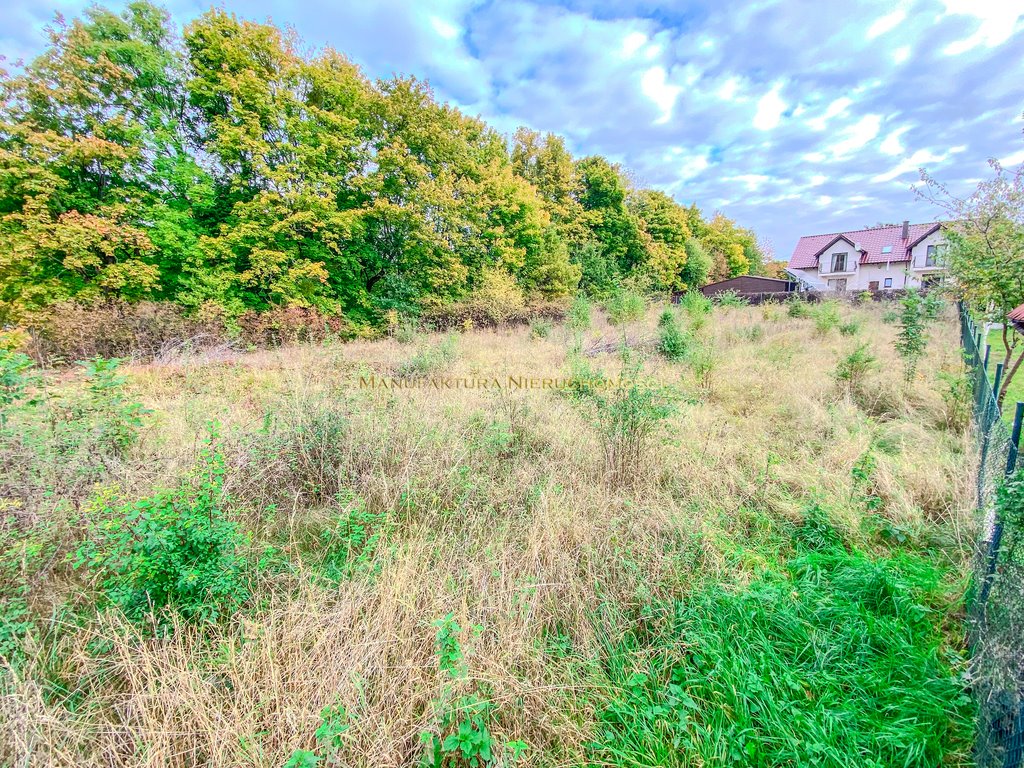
<point>879,259</point>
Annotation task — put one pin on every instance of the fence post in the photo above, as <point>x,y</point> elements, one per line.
<point>988,349</point>
<point>998,381</point>
<point>1011,456</point>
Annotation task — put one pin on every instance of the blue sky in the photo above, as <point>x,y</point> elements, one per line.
<point>794,117</point>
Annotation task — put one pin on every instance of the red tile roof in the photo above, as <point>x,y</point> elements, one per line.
<point>1017,315</point>
<point>871,241</point>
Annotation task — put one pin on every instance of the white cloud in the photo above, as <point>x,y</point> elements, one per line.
<point>836,108</point>
<point>901,54</point>
<point>634,42</point>
<point>910,165</point>
<point>727,91</point>
<point>769,109</point>
<point>752,181</point>
<point>1010,160</point>
<point>885,23</point>
<point>857,135</point>
<point>892,144</point>
<point>997,21</point>
<point>818,179</point>
<point>445,29</point>
<point>655,86</point>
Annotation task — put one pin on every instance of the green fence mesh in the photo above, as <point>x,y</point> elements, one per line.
<point>996,602</point>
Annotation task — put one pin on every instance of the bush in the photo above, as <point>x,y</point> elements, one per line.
<point>853,369</point>
<point>933,305</point>
<point>797,307</point>
<point>540,328</point>
<point>626,415</point>
<point>890,317</point>
<point>696,304</point>
<point>849,328</point>
<point>175,550</point>
<point>911,341</point>
<point>625,306</point>
<point>671,340</point>
<point>578,316</point>
<point>139,331</point>
<point>731,299</point>
<point>278,326</point>
<point>826,317</point>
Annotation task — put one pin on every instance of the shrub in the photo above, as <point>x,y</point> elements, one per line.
<point>578,316</point>
<point>671,340</point>
<point>826,317</point>
<point>731,299</point>
<point>957,396</point>
<point>498,298</point>
<point>278,326</point>
<point>854,368</point>
<point>626,414</point>
<point>849,328</point>
<point>140,331</point>
<point>865,297</point>
<point>797,307</point>
<point>625,306</point>
<point>540,328</point>
<point>890,317</point>
<point>911,341</point>
<point>932,305</point>
<point>702,361</point>
<point>695,303</point>
<point>175,550</point>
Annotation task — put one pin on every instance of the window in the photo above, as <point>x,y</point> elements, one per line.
<point>839,262</point>
<point>886,249</point>
<point>888,282</point>
<point>933,255</point>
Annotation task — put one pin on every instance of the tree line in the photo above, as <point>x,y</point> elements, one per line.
<point>221,166</point>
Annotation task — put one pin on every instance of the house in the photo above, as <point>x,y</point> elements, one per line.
<point>751,286</point>
<point>879,259</point>
<point>1016,318</point>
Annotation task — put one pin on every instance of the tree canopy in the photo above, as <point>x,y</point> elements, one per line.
<point>222,165</point>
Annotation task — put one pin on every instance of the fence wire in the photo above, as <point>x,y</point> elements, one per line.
<point>996,602</point>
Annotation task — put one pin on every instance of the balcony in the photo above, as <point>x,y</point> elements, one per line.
<point>826,270</point>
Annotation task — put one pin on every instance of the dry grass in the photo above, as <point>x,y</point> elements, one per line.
<point>501,514</point>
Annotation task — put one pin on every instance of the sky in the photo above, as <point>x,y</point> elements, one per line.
<point>792,116</point>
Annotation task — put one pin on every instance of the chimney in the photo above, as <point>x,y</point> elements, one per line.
<point>906,230</point>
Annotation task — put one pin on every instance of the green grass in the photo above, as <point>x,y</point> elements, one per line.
<point>1016,391</point>
<point>835,661</point>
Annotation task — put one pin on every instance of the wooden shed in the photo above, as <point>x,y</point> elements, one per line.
<point>754,287</point>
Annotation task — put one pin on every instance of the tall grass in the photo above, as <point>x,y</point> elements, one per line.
<point>630,574</point>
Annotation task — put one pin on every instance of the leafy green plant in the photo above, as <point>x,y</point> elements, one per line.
<point>695,304</point>
<point>890,317</point>
<point>578,316</point>
<point>672,342</point>
<point>175,550</point>
<point>853,369</point>
<point>797,307</point>
<point>540,328</point>
<point>626,415</point>
<point>932,305</point>
<point>625,306</point>
<point>911,341</point>
<point>731,299</point>
<point>15,378</point>
<point>826,317</point>
<point>348,546</point>
<point>117,418</point>
<point>957,396</point>
<point>849,328</point>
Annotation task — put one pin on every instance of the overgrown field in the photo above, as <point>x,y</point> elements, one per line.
<point>750,550</point>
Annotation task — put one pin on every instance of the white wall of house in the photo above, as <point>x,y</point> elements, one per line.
<point>919,253</point>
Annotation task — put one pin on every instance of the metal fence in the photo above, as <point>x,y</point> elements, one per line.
<point>996,601</point>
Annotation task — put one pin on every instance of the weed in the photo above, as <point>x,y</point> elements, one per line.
<point>826,317</point>
<point>849,328</point>
<point>625,306</point>
<point>430,358</point>
<point>731,299</point>
<point>853,369</point>
<point>578,316</point>
<point>797,307</point>
<point>911,341</point>
<point>173,550</point>
<point>540,328</point>
<point>696,304</point>
<point>672,342</point>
